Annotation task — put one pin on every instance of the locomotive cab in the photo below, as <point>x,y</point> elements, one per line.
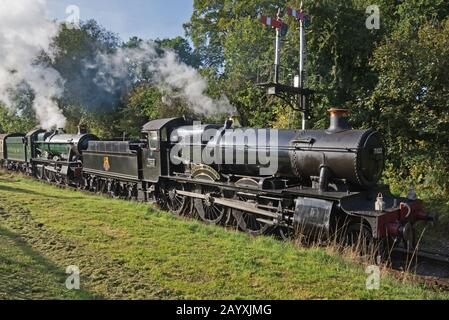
<point>156,157</point>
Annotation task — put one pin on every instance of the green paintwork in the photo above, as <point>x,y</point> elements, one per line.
<point>32,137</point>
<point>55,149</point>
<point>15,149</point>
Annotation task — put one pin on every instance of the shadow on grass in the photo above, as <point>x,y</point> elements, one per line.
<point>26,191</point>
<point>8,180</point>
<point>28,278</point>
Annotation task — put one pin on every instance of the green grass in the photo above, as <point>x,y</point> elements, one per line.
<point>24,273</point>
<point>133,251</point>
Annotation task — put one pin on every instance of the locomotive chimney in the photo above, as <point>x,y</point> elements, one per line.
<point>339,120</point>
<point>82,129</point>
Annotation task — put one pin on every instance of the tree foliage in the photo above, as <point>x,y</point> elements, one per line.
<point>238,47</point>
<point>410,101</point>
<point>394,79</point>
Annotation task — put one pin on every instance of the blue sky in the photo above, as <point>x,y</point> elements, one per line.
<point>147,19</point>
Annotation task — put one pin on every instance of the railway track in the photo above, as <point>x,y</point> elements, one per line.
<point>428,267</point>
<point>424,256</point>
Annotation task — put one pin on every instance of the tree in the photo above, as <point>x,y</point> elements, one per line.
<point>393,78</point>
<point>146,101</point>
<point>182,48</point>
<point>410,101</point>
<point>19,116</point>
<point>11,121</point>
<point>233,43</point>
<point>130,101</point>
<point>76,61</point>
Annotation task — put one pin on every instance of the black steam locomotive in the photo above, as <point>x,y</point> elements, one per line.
<point>317,182</point>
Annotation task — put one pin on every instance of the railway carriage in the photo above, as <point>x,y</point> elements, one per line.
<point>13,151</point>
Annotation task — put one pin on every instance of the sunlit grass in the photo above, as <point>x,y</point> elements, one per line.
<point>133,251</point>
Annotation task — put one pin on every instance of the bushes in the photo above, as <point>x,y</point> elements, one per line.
<point>429,176</point>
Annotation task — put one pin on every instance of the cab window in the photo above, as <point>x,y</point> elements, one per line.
<point>153,140</point>
<point>164,135</point>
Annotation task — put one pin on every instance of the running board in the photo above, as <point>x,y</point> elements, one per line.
<point>233,204</point>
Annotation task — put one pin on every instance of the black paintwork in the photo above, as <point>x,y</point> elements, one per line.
<point>355,156</point>
<point>116,159</point>
<point>156,156</point>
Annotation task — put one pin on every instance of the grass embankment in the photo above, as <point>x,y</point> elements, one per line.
<point>130,250</point>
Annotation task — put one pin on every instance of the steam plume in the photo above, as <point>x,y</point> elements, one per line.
<point>24,34</point>
<point>176,79</point>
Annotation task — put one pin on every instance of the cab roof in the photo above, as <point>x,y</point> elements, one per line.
<point>7,135</point>
<point>159,124</point>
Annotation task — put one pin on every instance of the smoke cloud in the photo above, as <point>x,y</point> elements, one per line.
<point>176,79</point>
<point>25,33</point>
<point>181,77</point>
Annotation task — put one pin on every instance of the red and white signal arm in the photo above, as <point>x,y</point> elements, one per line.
<point>271,22</point>
<point>297,14</point>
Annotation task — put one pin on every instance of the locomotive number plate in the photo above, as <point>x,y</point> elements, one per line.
<point>151,163</point>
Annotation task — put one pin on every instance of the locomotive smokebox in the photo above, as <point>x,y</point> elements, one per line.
<point>339,154</point>
<point>339,120</point>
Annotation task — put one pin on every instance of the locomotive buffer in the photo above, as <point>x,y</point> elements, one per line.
<point>274,87</point>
